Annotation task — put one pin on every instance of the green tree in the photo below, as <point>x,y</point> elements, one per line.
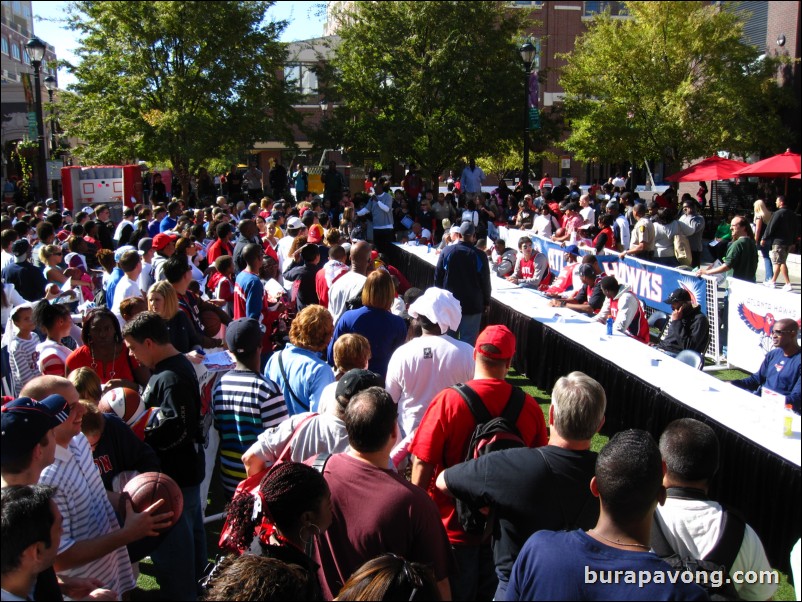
<point>176,83</point>
<point>674,82</point>
<point>427,82</point>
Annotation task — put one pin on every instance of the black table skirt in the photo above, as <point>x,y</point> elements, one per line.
<point>764,488</point>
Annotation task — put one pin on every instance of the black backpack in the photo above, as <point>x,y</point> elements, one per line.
<point>716,563</point>
<point>491,434</point>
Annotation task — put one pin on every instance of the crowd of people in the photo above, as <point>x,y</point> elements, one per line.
<point>341,405</point>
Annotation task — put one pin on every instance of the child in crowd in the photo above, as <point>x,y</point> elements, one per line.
<point>22,342</point>
<point>55,320</point>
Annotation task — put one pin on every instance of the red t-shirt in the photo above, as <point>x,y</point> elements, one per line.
<point>445,431</point>
<point>122,367</point>
<point>528,266</point>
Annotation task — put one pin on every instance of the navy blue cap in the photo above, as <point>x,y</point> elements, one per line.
<point>25,422</point>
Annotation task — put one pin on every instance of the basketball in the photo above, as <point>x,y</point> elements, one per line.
<point>147,488</point>
<point>122,401</point>
<point>211,323</point>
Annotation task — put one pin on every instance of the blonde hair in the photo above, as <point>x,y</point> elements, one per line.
<point>312,328</point>
<point>762,211</point>
<point>47,251</point>
<point>87,383</point>
<point>166,290</point>
<point>379,290</point>
<point>351,351</point>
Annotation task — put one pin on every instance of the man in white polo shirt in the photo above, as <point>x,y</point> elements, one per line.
<point>93,543</point>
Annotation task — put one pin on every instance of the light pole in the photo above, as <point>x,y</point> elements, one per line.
<point>527,52</point>
<point>324,106</point>
<point>36,52</point>
<point>52,85</point>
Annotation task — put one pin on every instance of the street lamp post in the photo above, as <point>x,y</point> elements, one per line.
<point>52,85</point>
<point>324,106</point>
<point>36,52</point>
<point>527,52</point>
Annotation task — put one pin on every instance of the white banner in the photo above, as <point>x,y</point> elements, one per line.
<point>753,310</point>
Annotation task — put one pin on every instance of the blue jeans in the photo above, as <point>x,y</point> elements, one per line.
<point>476,578</point>
<point>181,559</point>
<point>767,265</point>
<point>468,328</point>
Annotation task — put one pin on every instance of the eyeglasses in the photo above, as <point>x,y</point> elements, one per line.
<point>782,331</point>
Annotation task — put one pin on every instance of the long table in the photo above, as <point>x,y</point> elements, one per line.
<point>759,474</point>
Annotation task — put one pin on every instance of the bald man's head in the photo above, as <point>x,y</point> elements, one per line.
<point>360,256</point>
<point>42,386</point>
<point>788,324</point>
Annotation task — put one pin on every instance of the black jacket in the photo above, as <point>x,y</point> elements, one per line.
<point>691,331</point>
<point>465,271</point>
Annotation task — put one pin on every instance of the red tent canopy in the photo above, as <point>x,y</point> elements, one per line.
<point>783,165</point>
<point>712,168</point>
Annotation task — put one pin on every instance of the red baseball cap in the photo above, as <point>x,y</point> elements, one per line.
<point>500,337</point>
<point>315,234</point>
<point>161,240</point>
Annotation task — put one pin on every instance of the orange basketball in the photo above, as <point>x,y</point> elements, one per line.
<point>211,323</point>
<point>122,401</point>
<point>145,489</point>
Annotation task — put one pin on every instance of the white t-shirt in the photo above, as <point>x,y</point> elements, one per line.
<point>693,526</point>
<point>345,287</point>
<point>125,288</point>
<point>420,369</point>
<point>588,216</point>
<point>544,225</point>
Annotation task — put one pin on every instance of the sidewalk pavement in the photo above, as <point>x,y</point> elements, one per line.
<point>794,270</point>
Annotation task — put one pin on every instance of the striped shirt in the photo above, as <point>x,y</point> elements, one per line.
<point>82,501</point>
<point>24,360</point>
<point>244,403</point>
<point>52,357</point>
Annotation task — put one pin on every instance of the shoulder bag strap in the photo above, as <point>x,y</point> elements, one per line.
<point>474,403</point>
<point>288,446</point>
<point>287,381</point>
<point>729,541</point>
<point>515,404</point>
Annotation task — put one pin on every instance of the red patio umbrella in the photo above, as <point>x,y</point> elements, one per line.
<point>783,165</point>
<point>713,168</point>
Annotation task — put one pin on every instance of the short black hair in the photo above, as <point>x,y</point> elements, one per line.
<point>370,418</point>
<point>310,252</point>
<point>690,450</point>
<point>148,325</point>
<point>45,313</point>
<point>251,253</point>
<point>629,475</point>
<point>27,517</point>
<point>609,283</point>
<point>175,268</point>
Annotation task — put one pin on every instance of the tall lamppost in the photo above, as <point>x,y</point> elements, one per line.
<point>52,85</point>
<point>527,52</point>
<point>36,52</point>
<point>324,106</point>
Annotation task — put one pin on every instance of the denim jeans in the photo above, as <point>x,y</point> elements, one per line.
<point>181,558</point>
<point>468,329</point>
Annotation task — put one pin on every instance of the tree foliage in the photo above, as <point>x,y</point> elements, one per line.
<point>176,83</point>
<point>427,82</point>
<point>674,82</point>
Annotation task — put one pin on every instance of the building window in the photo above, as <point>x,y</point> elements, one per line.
<point>5,45</point>
<point>26,11</point>
<point>525,3</point>
<point>16,6</point>
<point>15,51</point>
<point>25,58</point>
<point>301,77</point>
<point>594,8</point>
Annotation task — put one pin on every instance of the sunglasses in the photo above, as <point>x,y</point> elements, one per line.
<point>782,331</point>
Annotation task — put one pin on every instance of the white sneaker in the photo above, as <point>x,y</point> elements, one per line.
<point>788,288</point>
<point>768,283</point>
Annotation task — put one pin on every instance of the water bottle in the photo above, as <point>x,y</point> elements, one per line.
<point>609,327</point>
<point>788,421</point>
<point>429,248</point>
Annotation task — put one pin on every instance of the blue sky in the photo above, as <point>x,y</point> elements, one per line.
<point>303,24</point>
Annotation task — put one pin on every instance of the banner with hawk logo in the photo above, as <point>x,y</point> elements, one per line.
<point>753,310</point>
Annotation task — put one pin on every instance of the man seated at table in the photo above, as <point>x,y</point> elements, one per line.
<point>568,278</point>
<point>624,308</point>
<point>780,371</point>
<point>589,298</point>
<point>689,328</point>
